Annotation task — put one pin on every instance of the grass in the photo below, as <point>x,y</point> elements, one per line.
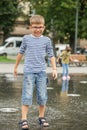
<point>5,59</point>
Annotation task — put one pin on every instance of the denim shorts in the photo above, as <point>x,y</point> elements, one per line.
<point>34,79</point>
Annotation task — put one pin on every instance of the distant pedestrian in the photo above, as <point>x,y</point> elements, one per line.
<point>65,58</point>
<point>35,47</point>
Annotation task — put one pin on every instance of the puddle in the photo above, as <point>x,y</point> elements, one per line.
<point>67,103</point>
<point>9,110</point>
<point>83,82</point>
<point>73,95</point>
<point>50,88</point>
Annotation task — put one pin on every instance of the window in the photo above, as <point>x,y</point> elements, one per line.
<point>11,44</point>
<point>18,43</point>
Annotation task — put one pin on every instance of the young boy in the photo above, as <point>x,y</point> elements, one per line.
<point>65,55</point>
<point>35,47</point>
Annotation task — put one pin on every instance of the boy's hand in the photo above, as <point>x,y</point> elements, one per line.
<point>15,72</point>
<point>54,74</point>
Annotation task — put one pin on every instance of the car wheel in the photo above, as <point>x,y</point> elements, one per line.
<point>4,54</point>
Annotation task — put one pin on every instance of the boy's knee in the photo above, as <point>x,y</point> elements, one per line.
<point>42,102</point>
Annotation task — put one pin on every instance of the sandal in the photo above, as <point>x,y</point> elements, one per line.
<point>24,123</point>
<point>43,122</point>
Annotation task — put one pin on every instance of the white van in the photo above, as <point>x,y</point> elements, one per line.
<point>10,46</point>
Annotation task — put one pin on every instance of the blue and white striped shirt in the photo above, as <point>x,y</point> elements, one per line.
<point>35,50</point>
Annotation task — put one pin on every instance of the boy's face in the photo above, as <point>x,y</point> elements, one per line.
<point>37,29</point>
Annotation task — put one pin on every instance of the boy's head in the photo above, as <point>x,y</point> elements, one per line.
<point>68,48</point>
<point>37,19</point>
<point>37,25</point>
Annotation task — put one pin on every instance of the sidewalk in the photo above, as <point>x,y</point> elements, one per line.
<point>8,68</point>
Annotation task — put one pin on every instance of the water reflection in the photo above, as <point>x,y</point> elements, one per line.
<point>65,86</point>
<point>68,90</point>
<point>66,106</point>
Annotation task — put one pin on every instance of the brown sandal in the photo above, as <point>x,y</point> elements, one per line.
<point>43,122</point>
<point>24,123</point>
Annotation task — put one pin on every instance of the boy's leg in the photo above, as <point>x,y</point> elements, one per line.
<point>64,69</point>
<point>27,94</point>
<point>41,111</point>
<point>42,120</point>
<point>64,72</point>
<point>41,89</point>
<point>67,71</point>
<point>24,112</point>
<point>24,124</point>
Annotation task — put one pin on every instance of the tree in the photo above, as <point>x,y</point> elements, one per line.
<point>82,19</point>
<point>8,14</point>
<point>61,18</point>
<point>63,15</point>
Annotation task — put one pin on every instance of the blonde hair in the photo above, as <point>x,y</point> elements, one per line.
<point>37,19</point>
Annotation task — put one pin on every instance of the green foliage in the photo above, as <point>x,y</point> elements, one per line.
<point>82,19</point>
<point>60,18</point>
<point>8,14</point>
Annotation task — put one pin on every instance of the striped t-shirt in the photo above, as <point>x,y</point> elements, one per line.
<point>35,49</point>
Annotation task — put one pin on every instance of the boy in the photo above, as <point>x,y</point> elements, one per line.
<point>65,55</point>
<point>35,47</point>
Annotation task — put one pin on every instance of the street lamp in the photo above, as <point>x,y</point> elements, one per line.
<point>76,27</point>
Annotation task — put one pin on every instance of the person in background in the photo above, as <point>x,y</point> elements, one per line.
<point>35,46</point>
<point>65,58</point>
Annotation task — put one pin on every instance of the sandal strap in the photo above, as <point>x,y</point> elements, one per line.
<point>23,123</point>
<point>43,120</point>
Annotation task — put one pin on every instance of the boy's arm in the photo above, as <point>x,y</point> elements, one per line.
<point>18,59</point>
<point>53,62</point>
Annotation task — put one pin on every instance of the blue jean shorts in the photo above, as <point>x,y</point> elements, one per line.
<point>34,79</point>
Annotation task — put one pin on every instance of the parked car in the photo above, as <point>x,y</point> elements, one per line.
<point>85,52</point>
<point>10,46</point>
<point>80,50</point>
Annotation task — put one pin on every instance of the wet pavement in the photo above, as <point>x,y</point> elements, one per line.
<point>66,107</point>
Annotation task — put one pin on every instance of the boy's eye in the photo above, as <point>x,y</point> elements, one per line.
<point>41,27</point>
